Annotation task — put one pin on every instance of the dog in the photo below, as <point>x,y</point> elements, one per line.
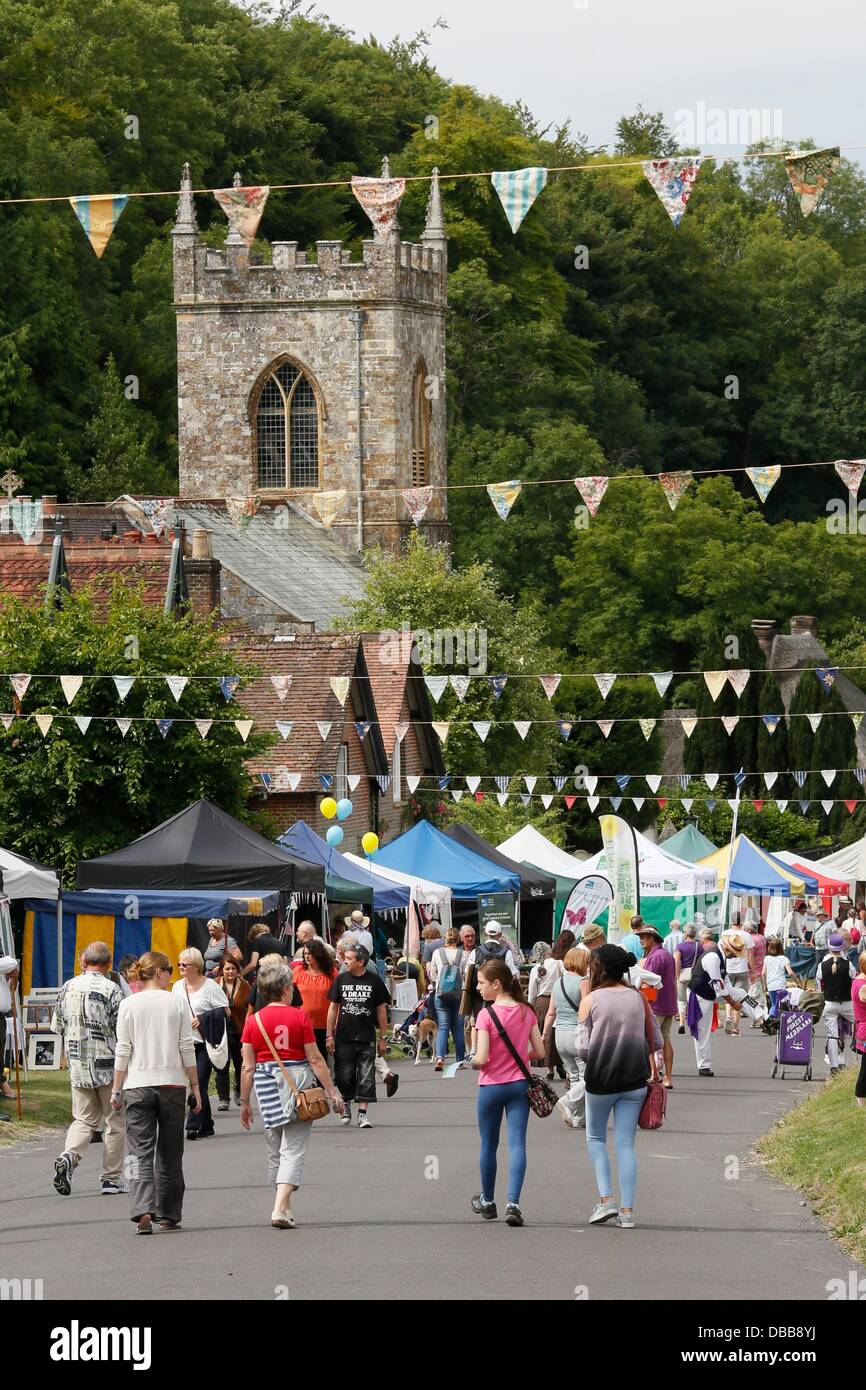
<point>424,1034</point>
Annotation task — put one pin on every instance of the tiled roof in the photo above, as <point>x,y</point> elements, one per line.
<point>24,568</point>
<point>284,556</point>
<point>399,698</point>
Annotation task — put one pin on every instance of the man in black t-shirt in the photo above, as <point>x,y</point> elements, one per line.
<point>358,1000</point>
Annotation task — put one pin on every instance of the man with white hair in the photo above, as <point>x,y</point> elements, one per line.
<point>304,935</point>
<point>86,1017</point>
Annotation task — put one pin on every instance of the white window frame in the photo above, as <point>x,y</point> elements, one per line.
<point>341,780</point>
<point>396,772</point>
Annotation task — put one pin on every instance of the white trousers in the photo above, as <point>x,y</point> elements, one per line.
<point>703,1042</point>
<point>832,1014</point>
<point>287,1149</point>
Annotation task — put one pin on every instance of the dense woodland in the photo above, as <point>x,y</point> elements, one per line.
<point>619,366</point>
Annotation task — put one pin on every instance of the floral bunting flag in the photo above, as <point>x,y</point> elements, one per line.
<point>827,675</point>
<point>442,729</point>
<point>814,721</point>
<point>604,680</point>
<point>730,722</point>
<point>646,727</point>
<point>99,214</point>
<point>565,727</point>
<point>243,208</point>
<point>436,685</point>
<point>772,722</point>
<point>164,725</point>
<point>550,685</point>
<point>764,479</point>
<point>380,198</point>
<point>123,685</point>
<point>809,172</point>
<point>460,686</point>
<point>662,680</point>
<point>605,725</point>
<point>673,180</point>
<point>497,685</point>
<point>124,725</point>
<point>503,496</point>
<point>523,726</point>
<point>70,685</point>
<point>83,721</point>
<point>518,190</point>
<point>324,729</point>
<point>177,685</point>
<point>228,686</point>
<point>241,510</point>
<point>482,728</point>
<point>401,730</point>
<point>712,780</point>
<point>329,506</point>
<point>770,779</point>
<point>244,727</point>
<point>340,686</point>
<point>857,718</point>
<point>412,783</point>
<point>204,727</point>
<point>282,685</point>
<point>688,726</point>
<point>851,472</point>
<point>674,486</point>
<point>352,780</point>
<point>363,726</point>
<point>653,781</point>
<point>546,800</point>
<point>44,722</point>
<point>592,490</point>
<point>715,682</point>
<point>417,500</point>
<point>739,679</point>
<point>473,783</point>
<point>19,685</point>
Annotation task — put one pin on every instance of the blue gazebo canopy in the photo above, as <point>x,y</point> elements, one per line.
<point>303,842</point>
<point>425,851</point>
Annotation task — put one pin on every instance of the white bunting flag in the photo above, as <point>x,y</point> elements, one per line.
<point>295,780</point>
<point>124,725</point>
<point>782,805</point>
<point>70,686</point>
<point>647,727</point>
<point>123,684</point>
<point>592,802</point>
<point>653,781</point>
<point>177,685</point>
<point>44,722</point>
<point>687,804</point>
<point>730,722</point>
<point>689,726</point>
<point>83,721</point>
<point>324,729</point>
<point>340,687</point>
<point>712,780</point>
<point>244,727</point>
<point>482,728</point>
<point>828,806</point>
<point>770,779</point>
<point>6,720</point>
<point>814,720</point>
<point>442,728</point>
<point>733,804</point>
<point>662,681</point>
<point>502,797</point>
<point>604,681</point>
<point>456,795</point>
<point>529,783</point>
<point>473,783</point>
<point>829,775</point>
<point>401,730</point>
<point>546,800</point>
<point>413,783</point>
<point>739,679</point>
<point>637,802</point>
<point>716,681</point>
<point>352,780</point>
<point>282,685</point>
<point>591,783</point>
<point>204,727</point>
<point>436,685</point>
<point>522,726</point>
<point>460,686</point>
<point>284,728</point>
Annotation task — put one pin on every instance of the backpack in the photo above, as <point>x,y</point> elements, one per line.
<point>450,982</point>
<point>485,952</point>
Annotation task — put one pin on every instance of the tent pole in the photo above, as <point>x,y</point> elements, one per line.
<point>724,908</point>
<point>59,940</point>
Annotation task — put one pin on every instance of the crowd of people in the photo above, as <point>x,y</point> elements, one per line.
<point>312,1030</point>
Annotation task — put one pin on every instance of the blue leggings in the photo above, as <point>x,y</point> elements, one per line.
<point>626,1107</point>
<point>511,1099</point>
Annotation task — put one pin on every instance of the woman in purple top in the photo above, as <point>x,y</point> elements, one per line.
<point>664,1006</point>
<point>684,958</point>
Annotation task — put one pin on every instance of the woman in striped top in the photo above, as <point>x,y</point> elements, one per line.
<point>290,1031</point>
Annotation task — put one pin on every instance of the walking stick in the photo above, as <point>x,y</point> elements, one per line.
<point>15,1052</point>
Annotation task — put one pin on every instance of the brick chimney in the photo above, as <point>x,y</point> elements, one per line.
<point>765,633</point>
<point>203,574</point>
<point>804,626</point>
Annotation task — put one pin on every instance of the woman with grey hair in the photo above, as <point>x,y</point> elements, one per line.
<point>200,998</point>
<point>684,959</point>
<point>280,1028</point>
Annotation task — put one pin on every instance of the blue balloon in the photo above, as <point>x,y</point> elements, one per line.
<point>334,835</point>
<point>344,808</point>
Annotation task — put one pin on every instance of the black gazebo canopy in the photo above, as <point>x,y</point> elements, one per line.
<point>201,847</point>
<point>534,885</point>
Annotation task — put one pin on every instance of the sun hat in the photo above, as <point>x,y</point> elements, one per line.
<point>359,919</point>
<point>592,933</point>
<point>646,930</point>
<point>835,942</point>
<point>493,929</point>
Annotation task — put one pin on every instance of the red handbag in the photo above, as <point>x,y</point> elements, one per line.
<point>652,1112</point>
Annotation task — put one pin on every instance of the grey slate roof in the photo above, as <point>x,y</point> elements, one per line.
<point>295,564</point>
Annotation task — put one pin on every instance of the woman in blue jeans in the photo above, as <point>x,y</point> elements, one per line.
<point>614,1031</point>
<point>446,974</point>
<point>502,1085</point>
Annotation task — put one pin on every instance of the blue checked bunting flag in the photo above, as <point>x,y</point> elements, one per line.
<point>518,190</point>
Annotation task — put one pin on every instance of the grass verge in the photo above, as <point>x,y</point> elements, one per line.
<point>820,1147</point>
<point>45,1104</point>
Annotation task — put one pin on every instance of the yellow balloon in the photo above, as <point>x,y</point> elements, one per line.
<point>370,842</point>
<point>328,807</point>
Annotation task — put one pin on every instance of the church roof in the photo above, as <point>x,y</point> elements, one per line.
<point>284,556</point>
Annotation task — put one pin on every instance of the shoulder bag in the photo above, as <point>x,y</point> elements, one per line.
<point>311,1104</point>
<point>652,1112</point>
<point>542,1098</point>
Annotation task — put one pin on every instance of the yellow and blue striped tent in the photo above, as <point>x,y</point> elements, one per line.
<point>750,869</point>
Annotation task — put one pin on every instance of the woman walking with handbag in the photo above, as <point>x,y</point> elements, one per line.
<point>237,992</point>
<point>618,1035</point>
<point>199,997</point>
<point>281,1060</point>
<point>561,1023</point>
<point>507,1039</point>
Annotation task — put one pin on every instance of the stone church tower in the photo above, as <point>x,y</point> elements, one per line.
<point>314,374</point>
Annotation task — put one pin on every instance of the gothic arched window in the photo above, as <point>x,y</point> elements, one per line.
<point>287,430</point>
<point>420,429</point>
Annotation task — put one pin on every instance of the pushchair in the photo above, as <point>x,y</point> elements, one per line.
<point>796,1033</point>
<point>401,1037</point>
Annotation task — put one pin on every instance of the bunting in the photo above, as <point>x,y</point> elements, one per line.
<point>529,783</point>
<point>518,190</point>
<point>244,728</point>
<point>605,725</point>
<point>19,685</point>
<point>228,686</point>
<point>204,727</point>
<point>647,726</point>
<point>99,214</point>
<point>503,496</point>
<point>324,729</point>
<point>473,783</point>
<point>83,721</point>
<point>416,501</point>
<point>662,680</point>
<point>674,486</point>
<point>340,686</point>
<point>604,680</point>
<point>497,685</point>
<point>442,729</point>
<point>546,800</point>
<point>353,780</point>
<point>814,721</point>
<point>25,514</point>
<point>565,727</point>
<point>809,172</point>
<point>282,685</point>
<point>326,781</point>
<point>827,676</point>
<point>412,783</point>
<point>43,723</point>
<point>730,722</point>
<point>124,725</point>
<point>673,181</point>
<point>482,728</point>
<point>550,685</point>
<point>772,722</point>
<point>284,728</point>
<point>437,686</point>
<point>522,726</point>
<point>764,479</point>
<point>770,779</point>
<point>362,728</point>
<point>460,686</point>
<point>70,685</point>
<point>243,208</point>
<point>380,199</point>
<point>738,679</point>
<point>164,725</point>
<point>177,685</point>
<point>851,472</point>
<point>401,730</point>
<point>329,505</point>
<point>592,491</point>
<point>715,682</point>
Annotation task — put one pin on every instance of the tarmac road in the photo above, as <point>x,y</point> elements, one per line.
<point>385,1213</point>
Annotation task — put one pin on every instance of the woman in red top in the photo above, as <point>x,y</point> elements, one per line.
<point>314,975</point>
<point>287,1031</point>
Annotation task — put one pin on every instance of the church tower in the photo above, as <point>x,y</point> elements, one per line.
<point>315,373</point>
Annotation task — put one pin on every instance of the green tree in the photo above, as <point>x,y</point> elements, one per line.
<point>121,445</point>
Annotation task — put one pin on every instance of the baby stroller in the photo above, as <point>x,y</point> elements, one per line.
<point>796,1033</point>
<point>401,1036</point>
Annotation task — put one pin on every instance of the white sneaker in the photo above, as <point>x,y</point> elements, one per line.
<point>565,1111</point>
<point>603,1211</point>
<point>363,1120</point>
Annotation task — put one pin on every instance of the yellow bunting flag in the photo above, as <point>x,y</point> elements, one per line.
<point>99,215</point>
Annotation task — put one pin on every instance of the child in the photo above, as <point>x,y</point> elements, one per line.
<point>777,971</point>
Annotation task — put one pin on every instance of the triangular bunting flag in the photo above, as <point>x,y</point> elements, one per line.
<point>782,806</point>
<point>591,783</point>
<point>497,685</point>
<point>851,473</point>
<point>565,727</point>
<point>177,685</point>
<point>764,479</point>
<point>688,726</point>
<point>559,782</point>
<point>772,722</point>
<point>687,803</point>
<point>284,728</point>
<point>525,798</point>
<point>638,802</point>
<point>99,215</point>
<point>502,782</point>
<point>662,801</point>
<point>473,783</point>
<point>518,190</point>
<point>550,685</point>
<point>412,783</point>
<point>616,802</point>
<point>282,685</point>
<point>329,505</point>
<point>814,721</point>
<point>546,800</point>
<point>622,780</point>
<point>437,685</point>
<point>827,806</point>
<point>244,727</point>
<point>340,686</point>
<point>383,780</point>
<point>163,725</point>
<point>401,730</point>
<point>243,208</point>
<point>739,679</point>
<point>294,780</point>
<point>711,806</point>
<point>653,781</point>
<point>662,681</point>
<point>809,172</point>
<point>673,180</point>
<point>730,722</point>
<point>605,725</point>
<point>740,777</point>
<point>829,775</point>
<point>44,722</point>
<point>503,496</point>
<point>441,729</point>
<point>715,682</point>
<point>827,675</point>
<point>851,805</point>
<point>124,725</point>
<point>529,783</point>
<point>19,685</point>
<point>770,779</point>
<point>70,685</point>
<point>417,500</point>
<point>856,718</point>
<point>502,797</point>
<point>712,780</point>
<point>522,726</point>
<point>482,728</point>
<point>444,782</point>
<point>732,803</point>
<point>6,720</point>
<point>228,686</point>
<point>592,490</point>
<point>759,806</point>
<point>83,721</point>
<point>674,486</point>
<point>326,781</point>
<point>380,199</point>
<point>204,727</point>
<point>860,774</point>
<point>353,780</point>
<point>804,806</point>
<point>456,795</point>
<point>646,727</point>
<point>569,801</point>
<point>460,686</point>
<point>323,728</point>
<point>800,778</point>
<point>592,803</point>
<point>363,726</point>
<point>604,680</point>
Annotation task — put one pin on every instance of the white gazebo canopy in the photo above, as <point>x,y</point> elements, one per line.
<point>24,879</point>
<point>848,863</point>
<point>529,846</point>
<point>661,873</point>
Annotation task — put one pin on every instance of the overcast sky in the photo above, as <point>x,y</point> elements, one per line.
<point>594,64</point>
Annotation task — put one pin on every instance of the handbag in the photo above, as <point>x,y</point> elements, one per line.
<point>311,1104</point>
<point>652,1112</point>
<point>217,1052</point>
<point>542,1098</point>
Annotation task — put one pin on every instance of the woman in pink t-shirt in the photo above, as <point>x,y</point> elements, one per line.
<point>502,1085</point>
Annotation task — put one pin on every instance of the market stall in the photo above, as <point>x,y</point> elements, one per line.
<point>689,844</point>
<point>528,847</point>
<point>537,890</point>
<point>670,888</point>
